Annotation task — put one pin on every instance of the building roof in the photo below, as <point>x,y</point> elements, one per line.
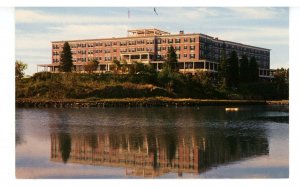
<point>147,32</point>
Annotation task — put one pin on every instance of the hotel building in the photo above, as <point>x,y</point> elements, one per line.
<point>195,51</point>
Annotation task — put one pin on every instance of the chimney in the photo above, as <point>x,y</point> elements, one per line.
<point>181,32</point>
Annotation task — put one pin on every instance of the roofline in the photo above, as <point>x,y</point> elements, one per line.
<point>164,36</point>
<point>113,38</point>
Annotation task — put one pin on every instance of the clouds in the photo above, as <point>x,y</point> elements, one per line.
<point>34,17</point>
<point>265,27</point>
<point>258,13</point>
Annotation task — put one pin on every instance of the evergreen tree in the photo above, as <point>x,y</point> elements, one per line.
<point>171,60</point>
<point>66,62</point>
<point>244,69</point>
<point>253,70</point>
<point>233,70</point>
<point>222,69</point>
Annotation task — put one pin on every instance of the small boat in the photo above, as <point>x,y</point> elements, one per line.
<point>231,109</point>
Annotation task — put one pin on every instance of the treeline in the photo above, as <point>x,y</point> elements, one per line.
<point>166,83</point>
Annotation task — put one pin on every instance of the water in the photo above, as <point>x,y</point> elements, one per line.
<point>203,142</point>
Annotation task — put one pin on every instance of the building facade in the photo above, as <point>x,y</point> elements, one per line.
<point>195,51</point>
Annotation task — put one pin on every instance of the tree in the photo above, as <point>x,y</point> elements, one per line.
<point>281,83</point>
<point>20,67</point>
<point>222,69</point>
<point>253,70</point>
<point>66,62</point>
<point>171,60</point>
<point>281,76</point>
<point>244,69</point>
<point>124,66</point>
<point>117,65</point>
<point>231,70</point>
<point>234,69</point>
<point>91,66</point>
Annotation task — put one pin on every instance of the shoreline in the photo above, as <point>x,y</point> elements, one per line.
<point>137,102</point>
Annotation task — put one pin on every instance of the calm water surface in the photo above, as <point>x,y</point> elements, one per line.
<point>204,142</point>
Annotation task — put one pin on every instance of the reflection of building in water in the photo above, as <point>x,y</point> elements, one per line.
<point>151,156</point>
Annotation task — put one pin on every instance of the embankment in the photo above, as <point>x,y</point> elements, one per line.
<point>134,102</point>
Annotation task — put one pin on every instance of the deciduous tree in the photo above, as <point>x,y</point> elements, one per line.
<point>91,66</point>
<point>20,67</point>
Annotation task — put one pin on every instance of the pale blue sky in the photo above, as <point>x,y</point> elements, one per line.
<point>37,27</point>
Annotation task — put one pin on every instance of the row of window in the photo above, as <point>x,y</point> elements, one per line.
<point>124,43</point>
<point>177,40</point>
<point>191,56</point>
<point>219,46</point>
<point>83,59</point>
<point>177,48</point>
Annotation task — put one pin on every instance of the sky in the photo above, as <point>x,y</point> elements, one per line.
<point>37,27</point>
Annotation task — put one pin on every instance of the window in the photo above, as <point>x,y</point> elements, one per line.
<point>108,44</point>
<point>192,56</point>
<point>132,42</point>
<point>177,48</point>
<point>149,49</point>
<point>192,47</point>
<point>149,41</point>
<point>185,47</point>
<point>123,43</point>
<point>107,59</point>
<point>177,40</point>
<point>192,39</point>
<point>170,40</point>
<point>140,42</point>
<point>184,55</point>
<point>185,39</point>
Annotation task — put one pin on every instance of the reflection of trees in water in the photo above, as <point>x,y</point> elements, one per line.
<point>65,146</point>
<point>19,138</point>
<point>170,146</point>
<point>208,146</point>
<point>19,135</point>
<point>92,140</point>
<point>233,144</point>
<point>170,143</point>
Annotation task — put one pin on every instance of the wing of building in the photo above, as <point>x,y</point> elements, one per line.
<point>195,51</point>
